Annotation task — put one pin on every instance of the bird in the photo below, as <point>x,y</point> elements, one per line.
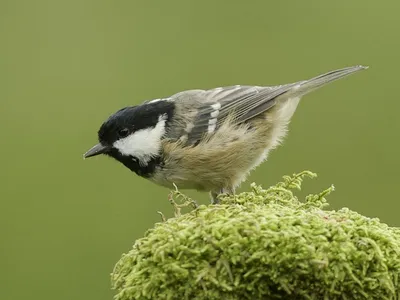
<point>205,139</point>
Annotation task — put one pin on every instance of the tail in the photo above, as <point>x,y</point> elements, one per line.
<point>307,86</point>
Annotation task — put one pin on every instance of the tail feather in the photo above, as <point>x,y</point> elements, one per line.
<point>307,86</point>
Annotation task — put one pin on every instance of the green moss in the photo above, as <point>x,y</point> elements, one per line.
<point>264,244</point>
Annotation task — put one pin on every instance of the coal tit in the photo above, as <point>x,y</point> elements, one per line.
<point>208,140</point>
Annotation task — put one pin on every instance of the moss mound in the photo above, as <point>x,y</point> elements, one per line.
<point>264,244</point>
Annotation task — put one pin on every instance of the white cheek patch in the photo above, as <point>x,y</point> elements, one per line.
<point>143,144</point>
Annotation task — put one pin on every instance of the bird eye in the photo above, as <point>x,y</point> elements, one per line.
<point>123,132</point>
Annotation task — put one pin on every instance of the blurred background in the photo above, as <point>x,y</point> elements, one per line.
<point>67,65</point>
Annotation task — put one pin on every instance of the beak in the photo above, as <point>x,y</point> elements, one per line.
<point>96,150</point>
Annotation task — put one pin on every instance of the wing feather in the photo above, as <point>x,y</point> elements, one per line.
<point>239,102</point>
<point>208,109</point>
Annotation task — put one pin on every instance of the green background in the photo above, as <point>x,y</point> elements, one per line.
<point>66,65</point>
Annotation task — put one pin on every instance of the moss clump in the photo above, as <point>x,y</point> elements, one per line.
<point>264,244</point>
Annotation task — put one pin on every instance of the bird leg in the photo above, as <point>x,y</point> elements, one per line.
<point>214,194</point>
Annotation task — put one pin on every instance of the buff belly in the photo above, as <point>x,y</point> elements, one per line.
<point>224,159</point>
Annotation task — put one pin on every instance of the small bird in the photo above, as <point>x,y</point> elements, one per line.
<point>208,140</point>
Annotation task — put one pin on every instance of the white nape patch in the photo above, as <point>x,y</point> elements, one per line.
<point>143,144</point>
<point>155,100</point>
<point>158,100</point>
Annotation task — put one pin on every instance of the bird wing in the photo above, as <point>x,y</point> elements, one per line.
<point>214,106</point>
<point>241,103</point>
